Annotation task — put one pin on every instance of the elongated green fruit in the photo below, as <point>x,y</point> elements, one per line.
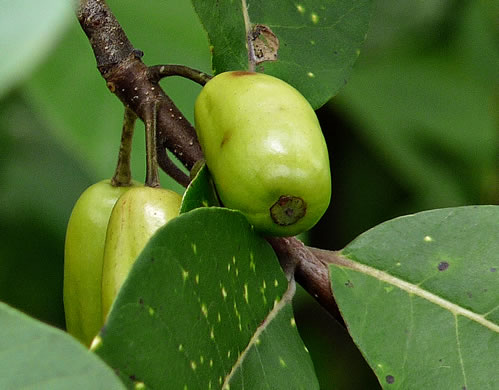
<point>264,147</point>
<point>83,255</point>
<point>134,219</point>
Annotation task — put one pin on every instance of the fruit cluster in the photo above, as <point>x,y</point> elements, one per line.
<point>264,147</point>
<point>108,228</point>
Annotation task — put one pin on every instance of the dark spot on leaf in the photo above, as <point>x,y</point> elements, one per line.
<point>133,377</point>
<point>469,294</point>
<point>442,266</point>
<point>464,388</point>
<point>152,259</point>
<point>493,269</point>
<point>141,301</point>
<point>390,379</point>
<point>349,284</point>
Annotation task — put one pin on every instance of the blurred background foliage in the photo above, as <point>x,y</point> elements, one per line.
<point>415,128</point>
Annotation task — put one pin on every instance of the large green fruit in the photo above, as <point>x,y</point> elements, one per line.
<point>134,219</point>
<point>83,254</point>
<point>265,149</point>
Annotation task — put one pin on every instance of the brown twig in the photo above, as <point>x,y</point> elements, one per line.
<point>128,78</point>
<point>157,72</point>
<point>310,269</point>
<point>136,85</point>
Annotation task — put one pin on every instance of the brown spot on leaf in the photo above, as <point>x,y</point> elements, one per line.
<point>390,379</point>
<point>265,43</point>
<point>442,266</point>
<point>493,269</point>
<point>349,284</point>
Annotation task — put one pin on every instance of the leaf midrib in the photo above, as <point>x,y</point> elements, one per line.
<point>418,291</point>
<point>285,299</point>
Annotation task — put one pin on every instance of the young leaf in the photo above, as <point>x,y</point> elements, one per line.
<point>310,44</point>
<point>206,305</point>
<point>420,295</point>
<point>37,356</point>
<point>200,192</point>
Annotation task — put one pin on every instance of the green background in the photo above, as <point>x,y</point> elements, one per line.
<point>415,128</point>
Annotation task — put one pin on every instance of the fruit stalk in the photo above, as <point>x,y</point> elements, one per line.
<point>122,175</point>
<point>152,177</point>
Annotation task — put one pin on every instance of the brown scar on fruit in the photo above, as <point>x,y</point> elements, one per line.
<point>288,210</point>
<point>240,73</point>
<point>226,138</point>
<point>265,43</point>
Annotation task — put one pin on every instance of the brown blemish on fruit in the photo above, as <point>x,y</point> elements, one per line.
<point>239,73</point>
<point>288,210</point>
<point>227,136</point>
<point>442,266</point>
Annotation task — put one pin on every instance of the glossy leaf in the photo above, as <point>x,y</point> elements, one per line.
<point>420,295</point>
<point>200,192</point>
<point>37,356</point>
<point>319,41</point>
<point>206,304</point>
<point>28,31</point>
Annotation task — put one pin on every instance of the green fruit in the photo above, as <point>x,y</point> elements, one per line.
<point>264,147</point>
<point>83,255</point>
<point>134,219</point>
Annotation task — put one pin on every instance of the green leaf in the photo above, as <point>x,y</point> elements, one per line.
<point>28,31</point>
<point>420,295</point>
<point>319,41</point>
<point>206,303</point>
<point>200,192</point>
<point>38,356</point>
